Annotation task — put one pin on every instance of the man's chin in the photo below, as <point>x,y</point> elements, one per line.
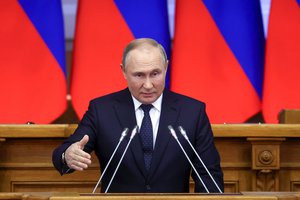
<point>147,100</point>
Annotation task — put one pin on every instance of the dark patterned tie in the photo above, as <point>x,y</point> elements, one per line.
<point>146,134</point>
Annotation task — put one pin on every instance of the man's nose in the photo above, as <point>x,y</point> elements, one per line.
<point>148,83</point>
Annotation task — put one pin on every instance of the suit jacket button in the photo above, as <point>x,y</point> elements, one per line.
<point>148,187</point>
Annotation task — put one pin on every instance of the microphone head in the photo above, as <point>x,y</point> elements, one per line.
<point>183,132</point>
<point>172,131</point>
<point>180,128</point>
<point>124,132</point>
<point>134,131</point>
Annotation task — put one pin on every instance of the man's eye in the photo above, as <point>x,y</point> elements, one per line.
<point>155,73</point>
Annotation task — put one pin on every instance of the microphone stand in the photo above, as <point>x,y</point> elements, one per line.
<point>134,131</point>
<point>123,134</point>
<point>173,133</point>
<point>183,133</point>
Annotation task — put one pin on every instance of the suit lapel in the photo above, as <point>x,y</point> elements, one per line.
<point>169,114</point>
<point>126,114</point>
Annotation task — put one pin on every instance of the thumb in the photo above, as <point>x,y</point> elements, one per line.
<point>83,141</point>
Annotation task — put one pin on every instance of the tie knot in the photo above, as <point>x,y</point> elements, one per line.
<point>146,107</point>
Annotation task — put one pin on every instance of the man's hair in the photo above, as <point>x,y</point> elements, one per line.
<point>139,42</point>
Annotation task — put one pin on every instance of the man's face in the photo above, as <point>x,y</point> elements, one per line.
<point>145,72</point>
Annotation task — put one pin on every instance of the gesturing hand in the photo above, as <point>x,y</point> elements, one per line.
<point>75,157</point>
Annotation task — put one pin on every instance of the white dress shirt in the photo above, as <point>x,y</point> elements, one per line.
<point>154,115</point>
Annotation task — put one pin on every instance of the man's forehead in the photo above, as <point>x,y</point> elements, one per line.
<point>145,53</point>
<point>145,49</point>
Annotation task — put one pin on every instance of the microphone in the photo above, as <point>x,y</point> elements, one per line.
<point>183,133</point>
<point>173,133</point>
<point>123,134</point>
<point>133,133</point>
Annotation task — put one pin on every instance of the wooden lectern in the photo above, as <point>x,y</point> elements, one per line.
<point>254,157</point>
<point>77,196</point>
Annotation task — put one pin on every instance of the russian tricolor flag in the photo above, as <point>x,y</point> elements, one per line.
<point>218,56</point>
<point>103,30</point>
<point>282,68</point>
<point>32,61</point>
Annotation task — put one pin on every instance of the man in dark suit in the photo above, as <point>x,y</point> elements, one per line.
<point>155,163</point>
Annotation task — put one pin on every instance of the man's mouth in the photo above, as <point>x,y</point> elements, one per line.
<point>147,94</point>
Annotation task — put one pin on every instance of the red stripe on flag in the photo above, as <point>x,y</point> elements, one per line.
<point>204,67</point>
<point>282,68</point>
<point>33,86</point>
<point>100,38</point>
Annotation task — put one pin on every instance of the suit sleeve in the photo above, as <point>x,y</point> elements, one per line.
<point>204,145</point>
<point>87,126</point>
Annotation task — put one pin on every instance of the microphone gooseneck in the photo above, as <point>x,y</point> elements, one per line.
<point>123,134</point>
<point>133,133</point>
<point>173,133</point>
<point>183,133</point>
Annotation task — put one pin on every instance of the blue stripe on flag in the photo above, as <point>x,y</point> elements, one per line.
<point>240,23</point>
<point>46,15</point>
<point>148,19</point>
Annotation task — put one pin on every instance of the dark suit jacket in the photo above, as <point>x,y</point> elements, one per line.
<point>170,171</point>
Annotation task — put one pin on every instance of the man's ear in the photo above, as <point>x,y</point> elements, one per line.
<point>123,70</point>
<point>167,64</point>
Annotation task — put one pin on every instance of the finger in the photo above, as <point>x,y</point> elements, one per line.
<point>86,159</point>
<point>78,162</point>
<point>81,153</point>
<point>83,141</point>
<point>73,153</point>
<point>78,166</point>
